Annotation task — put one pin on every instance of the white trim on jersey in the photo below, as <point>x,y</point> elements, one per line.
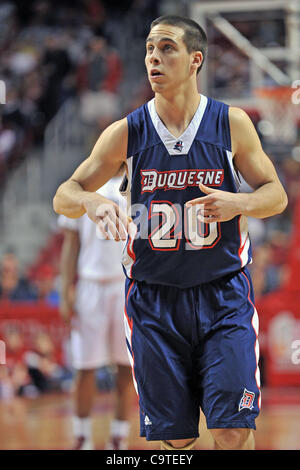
<point>255,325</point>
<point>188,136</point>
<point>128,255</point>
<point>233,170</point>
<point>128,334</point>
<point>245,240</point>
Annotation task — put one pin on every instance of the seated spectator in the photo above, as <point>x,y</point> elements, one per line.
<point>12,285</point>
<point>14,377</point>
<point>45,373</point>
<point>15,133</point>
<point>56,66</point>
<point>22,59</point>
<point>8,141</point>
<point>99,109</point>
<point>101,69</point>
<point>291,178</point>
<point>45,284</point>
<point>98,79</point>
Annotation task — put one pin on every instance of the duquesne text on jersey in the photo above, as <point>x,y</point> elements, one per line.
<point>179,179</point>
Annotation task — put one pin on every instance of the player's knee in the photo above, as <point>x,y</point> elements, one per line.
<point>124,378</point>
<point>178,444</point>
<point>230,439</point>
<point>82,374</point>
<point>124,373</point>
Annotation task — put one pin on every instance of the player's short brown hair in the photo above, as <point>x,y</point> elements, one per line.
<point>194,36</point>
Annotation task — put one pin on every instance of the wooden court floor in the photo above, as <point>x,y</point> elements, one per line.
<point>44,423</point>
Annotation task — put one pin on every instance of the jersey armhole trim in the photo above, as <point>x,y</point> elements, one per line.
<point>227,138</point>
<point>227,127</point>
<point>128,153</point>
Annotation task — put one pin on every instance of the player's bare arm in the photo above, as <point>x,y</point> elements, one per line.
<point>77,195</point>
<point>68,269</point>
<point>268,197</point>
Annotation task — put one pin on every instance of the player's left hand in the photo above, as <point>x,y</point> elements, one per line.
<point>216,206</point>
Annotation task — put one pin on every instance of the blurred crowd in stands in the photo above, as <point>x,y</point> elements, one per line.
<point>50,51</point>
<point>53,50</point>
<point>32,367</point>
<point>229,68</point>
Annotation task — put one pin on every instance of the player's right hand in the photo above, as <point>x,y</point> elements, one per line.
<point>111,220</point>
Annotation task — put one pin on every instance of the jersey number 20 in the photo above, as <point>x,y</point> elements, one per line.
<point>167,228</point>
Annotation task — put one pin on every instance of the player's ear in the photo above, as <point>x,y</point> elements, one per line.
<point>197,59</point>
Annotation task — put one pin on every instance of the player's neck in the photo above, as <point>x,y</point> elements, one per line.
<point>177,110</point>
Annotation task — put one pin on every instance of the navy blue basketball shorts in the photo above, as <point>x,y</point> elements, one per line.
<point>193,349</point>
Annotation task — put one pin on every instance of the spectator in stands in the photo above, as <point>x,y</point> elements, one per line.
<point>12,285</point>
<point>8,141</point>
<point>291,176</point>
<point>101,69</point>
<point>45,284</point>
<point>98,80</point>
<point>96,16</point>
<point>43,369</point>
<point>269,269</point>
<point>22,58</point>
<point>56,66</point>
<point>14,377</point>
<point>13,127</point>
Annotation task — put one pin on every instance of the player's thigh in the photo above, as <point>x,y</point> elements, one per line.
<point>90,326</point>
<point>119,352</point>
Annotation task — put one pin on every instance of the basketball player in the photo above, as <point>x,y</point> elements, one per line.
<point>191,322</point>
<point>97,327</point>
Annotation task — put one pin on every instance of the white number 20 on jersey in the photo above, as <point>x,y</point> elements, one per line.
<point>167,228</point>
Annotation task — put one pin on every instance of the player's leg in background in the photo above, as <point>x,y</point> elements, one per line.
<point>233,439</point>
<point>125,392</point>
<point>84,394</point>
<point>120,425</point>
<point>89,346</point>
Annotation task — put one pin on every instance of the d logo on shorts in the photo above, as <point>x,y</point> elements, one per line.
<point>247,400</point>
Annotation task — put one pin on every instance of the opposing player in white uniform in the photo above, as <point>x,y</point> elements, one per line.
<point>96,317</point>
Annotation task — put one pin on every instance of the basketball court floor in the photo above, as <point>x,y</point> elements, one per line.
<point>44,423</point>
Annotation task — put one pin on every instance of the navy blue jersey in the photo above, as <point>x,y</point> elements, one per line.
<point>170,246</point>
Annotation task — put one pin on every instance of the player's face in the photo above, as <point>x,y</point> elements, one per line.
<point>167,60</point>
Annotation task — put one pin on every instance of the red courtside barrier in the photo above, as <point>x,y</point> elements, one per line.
<point>279,314</point>
<point>32,321</point>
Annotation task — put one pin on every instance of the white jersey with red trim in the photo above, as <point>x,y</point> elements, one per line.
<point>99,259</point>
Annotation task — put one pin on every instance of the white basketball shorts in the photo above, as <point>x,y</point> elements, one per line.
<point>97,336</point>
